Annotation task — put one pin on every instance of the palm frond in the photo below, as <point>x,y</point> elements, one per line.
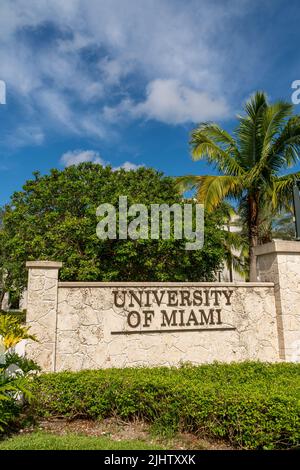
<point>240,265</point>
<point>273,121</point>
<point>227,212</point>
<point>209,141</point>
<point>213,189</point>
<point>282,193</point>
<point>248,132</point>
<point>186,183</point>
<point>216,134</point>
<point>234,240</point>
<point>286,148</point>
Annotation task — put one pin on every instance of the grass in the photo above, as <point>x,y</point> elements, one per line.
<point>47,441</point>
<point>135,435</point>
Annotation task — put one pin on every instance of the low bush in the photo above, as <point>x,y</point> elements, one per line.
<point>252,405</point>
<point>15,370</point>
<point>15,374</point>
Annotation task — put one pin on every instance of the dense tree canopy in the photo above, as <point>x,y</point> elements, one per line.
<point>54,218</point>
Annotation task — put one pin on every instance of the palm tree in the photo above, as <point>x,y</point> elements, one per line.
<point>234,242</point>
<point>249,162</point>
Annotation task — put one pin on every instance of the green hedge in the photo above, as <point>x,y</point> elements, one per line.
<point>252,405</point>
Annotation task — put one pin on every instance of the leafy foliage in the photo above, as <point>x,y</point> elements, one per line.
<point>23,363</point>
<point>12,331</point>
<point>14,369</point>
<point>9,272</point>
<point>19,315</point>
<point>252,405</point>
<point>11,386</point>
<point>54,217</point>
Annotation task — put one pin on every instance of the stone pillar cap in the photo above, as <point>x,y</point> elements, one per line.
<point>44,264</point>
<point>278,246</point>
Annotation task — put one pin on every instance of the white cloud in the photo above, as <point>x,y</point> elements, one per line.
<point>127,166</point>
<point>113,70</point>
<point>24,135</point>
<point>58,108</point>
<point>170,51</point>
<point>74,157</point>
<point>170,102</point>
<point>124,108</point>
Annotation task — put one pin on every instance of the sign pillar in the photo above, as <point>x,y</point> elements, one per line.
<point>279,262</point>
<point>41,313</point>
<point>296,201</point>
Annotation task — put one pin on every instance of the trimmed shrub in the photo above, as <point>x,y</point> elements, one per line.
<point>252,405</point>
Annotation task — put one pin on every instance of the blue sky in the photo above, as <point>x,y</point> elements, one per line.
<point>123,82</point>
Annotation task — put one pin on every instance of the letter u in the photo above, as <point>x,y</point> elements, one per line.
<point>117,295</point>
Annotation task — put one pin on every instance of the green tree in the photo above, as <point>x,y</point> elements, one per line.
<point>249,163</point>
<point>9,272</point>
<point>54,217</point>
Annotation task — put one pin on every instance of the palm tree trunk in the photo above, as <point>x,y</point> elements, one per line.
<point>253,235</point>
<point>253,271</point>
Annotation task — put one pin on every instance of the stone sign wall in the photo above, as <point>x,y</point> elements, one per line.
<point>83,325</point>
